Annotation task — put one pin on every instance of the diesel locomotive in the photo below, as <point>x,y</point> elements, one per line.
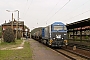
<point>54,35</point>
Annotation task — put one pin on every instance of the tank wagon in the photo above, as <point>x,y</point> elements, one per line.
<point>54,35</point>
<point>36,33</point>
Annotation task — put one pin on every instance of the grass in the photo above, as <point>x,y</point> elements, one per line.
<point>20,54</point>
<point>12,44</point>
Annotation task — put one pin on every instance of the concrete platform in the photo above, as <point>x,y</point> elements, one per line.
<point>42,52</point>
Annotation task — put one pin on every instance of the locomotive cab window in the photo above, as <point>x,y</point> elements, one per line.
<point>65,28</point>
<point>58,27</point>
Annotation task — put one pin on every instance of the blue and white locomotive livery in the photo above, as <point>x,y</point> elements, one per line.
<point>53,35</point>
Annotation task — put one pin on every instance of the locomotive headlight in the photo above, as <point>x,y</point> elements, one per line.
<point>54,38</point>
<point>62,38</point>
<point>65,34</point>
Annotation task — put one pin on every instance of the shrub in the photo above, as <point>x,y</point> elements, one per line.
<point>8,35</point>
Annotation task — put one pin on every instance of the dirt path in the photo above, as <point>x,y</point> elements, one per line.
<point>14,47</point>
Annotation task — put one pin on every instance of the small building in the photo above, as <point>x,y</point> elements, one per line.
<point>17,26</point>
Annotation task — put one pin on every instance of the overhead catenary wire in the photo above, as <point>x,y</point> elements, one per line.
<point>58,10</point>
<point>28,8</point>
<point>79,14</point>
<point>52,10</point>
<point>75,9</point>
<point>25,8</point>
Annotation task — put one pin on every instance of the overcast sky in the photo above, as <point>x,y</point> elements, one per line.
<point>38,13</point>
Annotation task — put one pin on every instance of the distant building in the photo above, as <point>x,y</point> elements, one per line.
<point>26,32</point>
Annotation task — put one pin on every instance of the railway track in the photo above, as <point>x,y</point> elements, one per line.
<point>71,55</point>
<point>78,54</point>
<point>65,55</point>
<point>83,47</point>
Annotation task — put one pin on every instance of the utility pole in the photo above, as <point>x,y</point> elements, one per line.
<point>12,17</point>
<point>17,25</point>
<point>12,21</point>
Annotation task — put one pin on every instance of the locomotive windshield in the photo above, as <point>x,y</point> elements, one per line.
<point>58,27</point>
<point>65,28</point>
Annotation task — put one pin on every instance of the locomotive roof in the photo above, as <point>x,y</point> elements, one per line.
<point>58,23</point>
